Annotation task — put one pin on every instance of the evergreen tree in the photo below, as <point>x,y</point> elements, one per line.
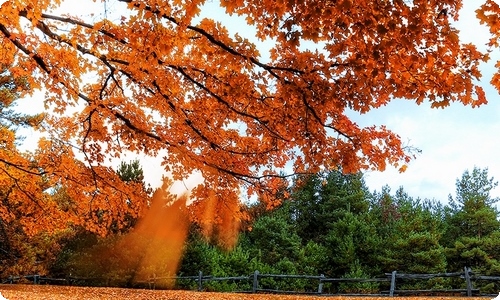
<point>472,212</point>
<point>272,239</point>
<point>131,171</point>
<point>351,245</point>
<point>472,225</point>
<point>329,212</point>
<point>325,198</point>
<point>411,230</point>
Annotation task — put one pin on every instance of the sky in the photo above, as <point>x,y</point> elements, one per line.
<point>452,140</point>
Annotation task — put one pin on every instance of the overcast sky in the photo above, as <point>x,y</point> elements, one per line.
<point>452,140</point>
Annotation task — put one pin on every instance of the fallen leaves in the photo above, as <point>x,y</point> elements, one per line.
<point>45,292</point>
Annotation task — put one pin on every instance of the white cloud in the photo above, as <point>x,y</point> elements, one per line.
<point>452,140</point>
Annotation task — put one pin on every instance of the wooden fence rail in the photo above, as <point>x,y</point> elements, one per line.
<point>254,280</point>
<point>467,275</point>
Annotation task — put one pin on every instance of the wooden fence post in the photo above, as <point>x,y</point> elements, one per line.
<point>255,281</point>
<point>467,281</point>
<point>393,284</point>
<point>320,286</point>
<point>200,281</point>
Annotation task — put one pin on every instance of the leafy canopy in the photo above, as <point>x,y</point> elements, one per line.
<point>157,79</point>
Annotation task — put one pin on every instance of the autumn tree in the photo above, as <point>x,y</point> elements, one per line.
<point>41,190</point>
<point>21,251</point>
<point>489,14</point>
<point>154,77</point>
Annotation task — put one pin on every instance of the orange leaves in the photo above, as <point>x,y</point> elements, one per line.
<point>155,245</point>
<point>488,14</point>
<point>272,191</point>
<point>481,97</point>
<point>217,210</point>
<point>76,194</point>
<point>39,292</point>
<point>156,81</point>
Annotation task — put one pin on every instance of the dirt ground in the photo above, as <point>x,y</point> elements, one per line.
<point>47,292</point>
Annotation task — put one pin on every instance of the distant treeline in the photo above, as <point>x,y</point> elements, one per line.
<point>331,224</point>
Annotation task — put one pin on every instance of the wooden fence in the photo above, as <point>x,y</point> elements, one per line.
<point>467,275</point>
<point>254,280</point>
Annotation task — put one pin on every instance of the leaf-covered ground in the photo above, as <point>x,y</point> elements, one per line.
<point>46,292</point>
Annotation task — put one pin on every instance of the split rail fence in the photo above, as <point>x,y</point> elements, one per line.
<point>391,279</point>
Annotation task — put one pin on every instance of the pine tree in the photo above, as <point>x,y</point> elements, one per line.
<point>472,225</point>
<point>411,230</point>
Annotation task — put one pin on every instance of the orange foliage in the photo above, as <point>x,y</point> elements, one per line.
<point>218,217</point>
<point>39,292</point>
<point>154,247</point>
<point>50,190</point>
<point>489,14</point>
<point>157,80</point>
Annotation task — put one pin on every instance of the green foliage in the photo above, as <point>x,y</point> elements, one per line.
<point>131,171</point>
<point>211,260</point>
<point>358,271</point>
<point>324,198</point>
<point>331,225</point>
<point>351,240</point>
<point>313,259</point>
<point>198,256</point>
<point>472,230</point>
<point>472,212</point>
<point>411,231</point>
<point>275,237</point>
